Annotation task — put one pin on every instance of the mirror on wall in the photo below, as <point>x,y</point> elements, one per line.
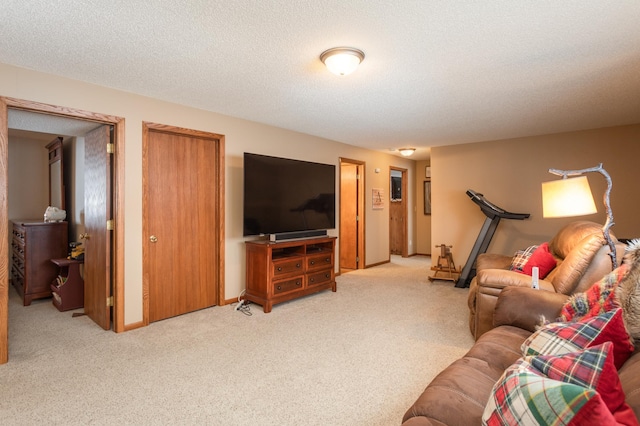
<point>56,179</point>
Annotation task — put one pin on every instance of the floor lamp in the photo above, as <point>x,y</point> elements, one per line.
<point>571,196</point>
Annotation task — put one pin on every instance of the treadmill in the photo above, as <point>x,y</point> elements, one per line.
<point>494,215</point>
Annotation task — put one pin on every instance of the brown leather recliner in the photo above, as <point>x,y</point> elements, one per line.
<point>582,258</point>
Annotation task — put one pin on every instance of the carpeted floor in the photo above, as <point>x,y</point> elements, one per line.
<point>360,356</point>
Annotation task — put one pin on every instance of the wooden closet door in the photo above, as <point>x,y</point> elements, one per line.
<point>98,241</point>
<point>182,223</point>
<point>348,216</point>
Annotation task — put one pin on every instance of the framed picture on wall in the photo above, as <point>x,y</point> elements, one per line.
<point>427,197</point>
<point>378,199</point>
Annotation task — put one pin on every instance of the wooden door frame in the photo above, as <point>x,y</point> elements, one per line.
<point>405,209</point>
<point>219,195</point>
<point>361,210</point>
<point>7,103</point>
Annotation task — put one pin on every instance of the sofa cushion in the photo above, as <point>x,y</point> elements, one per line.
<point>527,308</point>
<point>564,337</point>
<point>576,389</point>
<point>578,265</point>
<point>465,385</point>
<point>630,379</point>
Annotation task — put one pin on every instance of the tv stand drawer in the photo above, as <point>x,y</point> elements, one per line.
<point>283,267</point>
<point>319,277</point>
<point>288,285</point>
<point>319,261</point>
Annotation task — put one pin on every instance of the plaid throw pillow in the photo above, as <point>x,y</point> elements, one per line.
<point>562,337</point>
<point>580,388</point>
<point>521,258</point>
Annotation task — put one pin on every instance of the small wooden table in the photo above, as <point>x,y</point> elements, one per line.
<point>68,288</point>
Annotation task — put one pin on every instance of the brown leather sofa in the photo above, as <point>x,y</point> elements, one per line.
<point>458,395</point>
<point>582,258</point>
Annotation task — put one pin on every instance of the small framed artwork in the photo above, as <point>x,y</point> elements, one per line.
<point>427,197</point>
<point>378,199</point>
<point>427,172</point>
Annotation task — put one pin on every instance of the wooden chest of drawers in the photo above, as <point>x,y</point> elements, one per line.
<point>33,245</point>
<point>281,271</point>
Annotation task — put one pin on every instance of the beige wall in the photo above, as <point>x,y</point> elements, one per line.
<point>28,191</point>
<point>241,136</point>
<point>510,172</point>
<point>423,222</point>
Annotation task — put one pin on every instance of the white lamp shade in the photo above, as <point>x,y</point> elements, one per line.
<point>567,197</point>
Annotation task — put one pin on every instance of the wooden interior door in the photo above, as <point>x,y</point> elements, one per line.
<point>398,218</point>
<point>348,216</point>
<point>183,224</point>
<point>98,239</point>
<point>396,224</point>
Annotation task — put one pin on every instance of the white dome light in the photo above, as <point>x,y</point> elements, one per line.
<point>342,60</point>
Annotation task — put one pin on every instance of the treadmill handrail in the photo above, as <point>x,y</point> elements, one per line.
<point>491,210</point>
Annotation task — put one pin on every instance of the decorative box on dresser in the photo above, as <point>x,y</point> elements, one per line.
<point>281,271</point>
<point>34,243</point>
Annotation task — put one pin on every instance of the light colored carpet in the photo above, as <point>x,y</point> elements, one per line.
<point>360,356</point>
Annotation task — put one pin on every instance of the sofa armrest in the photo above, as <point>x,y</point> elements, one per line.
<point>526,308</point>
<point>499,279</point>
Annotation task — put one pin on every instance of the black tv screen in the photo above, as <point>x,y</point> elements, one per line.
<point>283,195</point>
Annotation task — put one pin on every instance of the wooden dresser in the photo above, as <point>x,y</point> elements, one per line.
<point>34,243</point>
<point>281,271</point>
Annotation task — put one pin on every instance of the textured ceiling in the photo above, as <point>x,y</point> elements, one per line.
<point>435,72</point>
<point>46,127</point>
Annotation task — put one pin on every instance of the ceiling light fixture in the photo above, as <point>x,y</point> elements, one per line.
<point>342,60</point>
<point>406,152</point>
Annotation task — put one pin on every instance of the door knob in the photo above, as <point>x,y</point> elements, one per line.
<point>84,236</point>
<point>153,238</point>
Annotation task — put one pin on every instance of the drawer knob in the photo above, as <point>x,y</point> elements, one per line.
<point>279,268</point>
<point>297,265</point>
<point>298,283</point>
<point>313,262</point>
<point>279,287</point>
<point>328,260</point>
<point>327,275</point>
<point>313,280</point>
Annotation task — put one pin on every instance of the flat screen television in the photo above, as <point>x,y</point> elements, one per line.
<point>283,196</point>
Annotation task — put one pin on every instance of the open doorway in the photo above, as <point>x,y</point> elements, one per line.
<point>351,238</point>
<point>398,214</point>
<point>116,266</point>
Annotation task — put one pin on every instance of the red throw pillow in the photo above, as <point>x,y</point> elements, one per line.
<point>543,259</point>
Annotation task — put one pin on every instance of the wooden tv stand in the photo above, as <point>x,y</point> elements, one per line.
<point>285,270</point>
